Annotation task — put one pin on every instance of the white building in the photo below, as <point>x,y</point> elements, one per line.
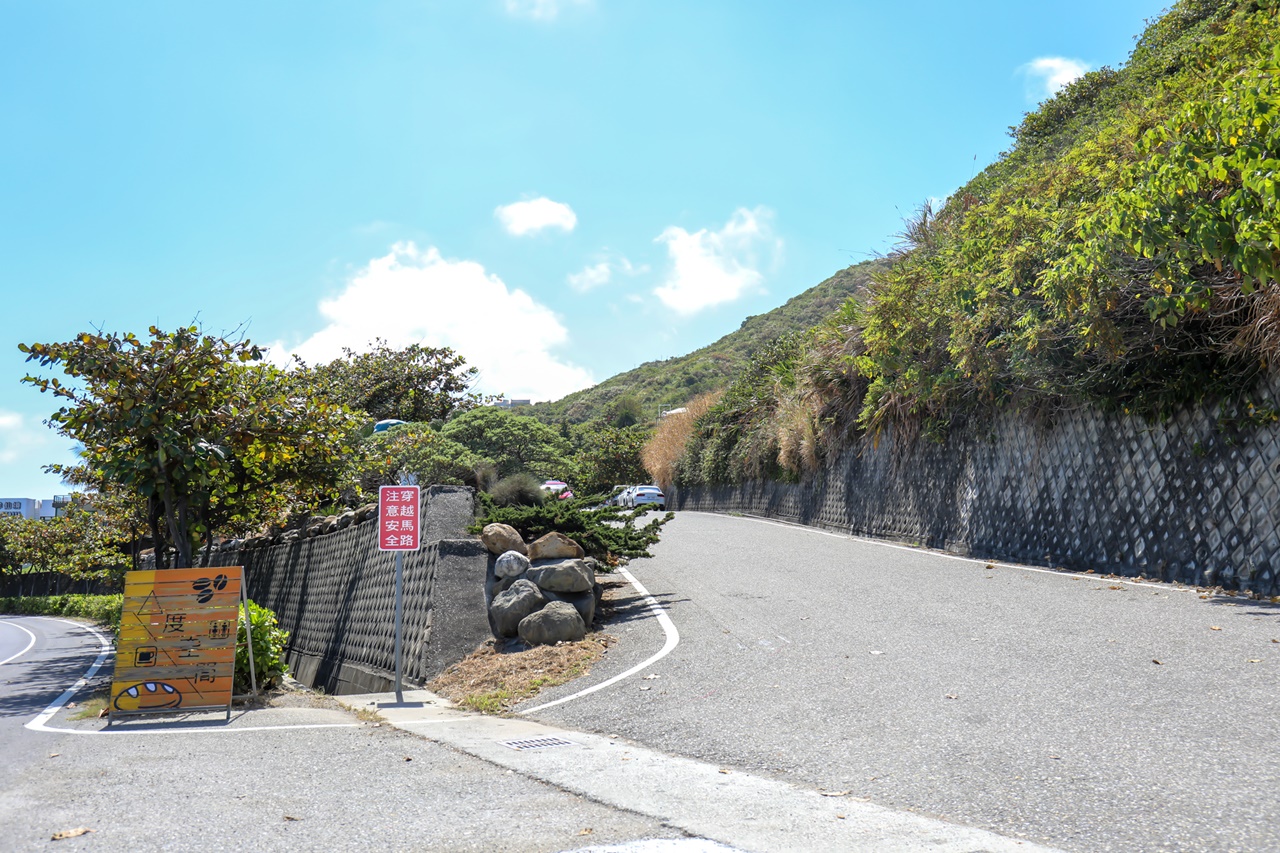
<point>33,507</point>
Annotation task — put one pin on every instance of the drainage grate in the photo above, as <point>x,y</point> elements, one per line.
<point>537,743</point>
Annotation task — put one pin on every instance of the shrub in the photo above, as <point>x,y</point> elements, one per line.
<point>268,650</point>
<point>602,531</point>
<point>103,609</point>
<point>518,490</point>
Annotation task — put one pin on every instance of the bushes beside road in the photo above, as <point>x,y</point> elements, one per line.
<point>103,609</point>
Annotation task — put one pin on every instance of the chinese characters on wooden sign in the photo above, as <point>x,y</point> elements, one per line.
<point>177,646</point>
<point>398,518</point>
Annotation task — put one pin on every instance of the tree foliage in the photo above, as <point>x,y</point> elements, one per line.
<point>514,443</point>
<point>196,426</point>
<point>416,383</point>
<point>80,543</point>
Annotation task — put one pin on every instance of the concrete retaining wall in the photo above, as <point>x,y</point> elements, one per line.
<point>335,594</point>
<point>1190,501</point>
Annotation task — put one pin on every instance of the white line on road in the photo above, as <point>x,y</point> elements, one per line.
<point>40,723</point>
<point>669,627</point>
<point>24,651</point>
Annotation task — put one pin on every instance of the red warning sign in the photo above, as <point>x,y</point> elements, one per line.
<point>398,518</point>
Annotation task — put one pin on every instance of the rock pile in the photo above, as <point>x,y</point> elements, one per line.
<point>544,592</point>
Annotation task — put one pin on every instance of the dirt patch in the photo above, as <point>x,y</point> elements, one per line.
<point>495,681</point>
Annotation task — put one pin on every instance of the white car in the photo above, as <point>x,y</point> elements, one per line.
<point>646,495</point>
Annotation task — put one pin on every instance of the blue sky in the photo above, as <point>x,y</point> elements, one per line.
<point>559,189</point>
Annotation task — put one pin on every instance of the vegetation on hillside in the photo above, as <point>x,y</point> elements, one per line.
<point>1124,253</point>
<point>669,384</point>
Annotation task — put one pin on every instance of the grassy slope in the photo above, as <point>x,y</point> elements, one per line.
<point>675,381</point>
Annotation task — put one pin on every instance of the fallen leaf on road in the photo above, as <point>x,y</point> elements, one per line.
<point>952,696</point>
<point>102,713</point>
<point>71,833</point>
<point>877,653</point>
<point>407,758</point>
<point>722,770</point>
<point>1255,660</point>
<point>1115,586</point>
<point>291,817</point>
<point>54,754</point>
<point>651,677</point>
<point>646,687</point>
<point>840,817</point>
<point>834,793</point>
<point>1153,660</point>
<point>1214,628</point>
<point>1056,757</point>
<point>586,831</point>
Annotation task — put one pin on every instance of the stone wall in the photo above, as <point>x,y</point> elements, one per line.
<point>335,594</point>
<point>1187,501</point>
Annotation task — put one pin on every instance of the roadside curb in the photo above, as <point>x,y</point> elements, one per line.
<point>724,805</point>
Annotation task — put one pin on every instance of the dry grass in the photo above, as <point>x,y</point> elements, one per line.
<point>665,448</point>
<point>494,682</point>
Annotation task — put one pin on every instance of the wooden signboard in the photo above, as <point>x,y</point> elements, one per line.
<point>177,645</point>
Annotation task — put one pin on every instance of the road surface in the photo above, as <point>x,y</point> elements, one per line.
<point>1081,712</point>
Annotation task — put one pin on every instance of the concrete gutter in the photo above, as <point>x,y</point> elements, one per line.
<point>744,811</point>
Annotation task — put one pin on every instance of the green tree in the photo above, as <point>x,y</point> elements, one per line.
<point>416,383</point>
<point>194,425</point>
<point>611,456</point>
<point>513,442</point>
<point>79,543</point>
<point>627,411</point>
<point>415,450</point>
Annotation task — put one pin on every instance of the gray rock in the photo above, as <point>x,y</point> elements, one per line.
<point>347,519</point>
<point>557,622</point>
<point>583,602</point>
<point>367,512</point>
<point>511,564</point>
<point>562,576</point>
<point>511,606</point>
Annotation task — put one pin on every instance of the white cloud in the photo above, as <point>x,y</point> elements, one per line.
<point>22,438</point>
<point>541,10</point>
<point>595,275</point>
<point>1047,74</point>
<point>526,217</point>
<point>591,277</point>
<point>410,296</point>
<point>712,267</point>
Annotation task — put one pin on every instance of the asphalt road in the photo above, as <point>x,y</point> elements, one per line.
<point>1086,713</point>
<point>261,783</point>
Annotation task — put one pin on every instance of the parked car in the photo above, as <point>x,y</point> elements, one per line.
<point>650,495</point>
<point>615,496</point>
<point>558,488</point>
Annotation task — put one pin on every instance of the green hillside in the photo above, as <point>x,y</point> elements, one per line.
<point>1124,253</point>
<point>667,384</point>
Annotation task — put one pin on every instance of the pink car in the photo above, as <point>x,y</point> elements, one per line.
<point>558,488</point>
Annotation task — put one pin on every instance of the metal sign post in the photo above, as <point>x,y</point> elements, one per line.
<point>399,531</point>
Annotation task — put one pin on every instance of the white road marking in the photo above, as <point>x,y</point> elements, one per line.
<point>40,723</point>
<point>24,651</point>
<point>943,554</point>
<point>668,627</point>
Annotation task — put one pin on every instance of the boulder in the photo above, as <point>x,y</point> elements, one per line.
<point>501,538</point>
<point>583,602</point>
<point>562,576</point>
<point>347,519</point>
<point>367,512</point>
<point>554,546</point>
<point>512,564</point>
<point>557,622</point>
<point>511,606</point>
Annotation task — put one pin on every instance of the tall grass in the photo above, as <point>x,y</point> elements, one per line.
<point>667,445</point>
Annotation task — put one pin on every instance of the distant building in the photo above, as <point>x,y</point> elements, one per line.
<point>511,404</point>
<point>33,507</point>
